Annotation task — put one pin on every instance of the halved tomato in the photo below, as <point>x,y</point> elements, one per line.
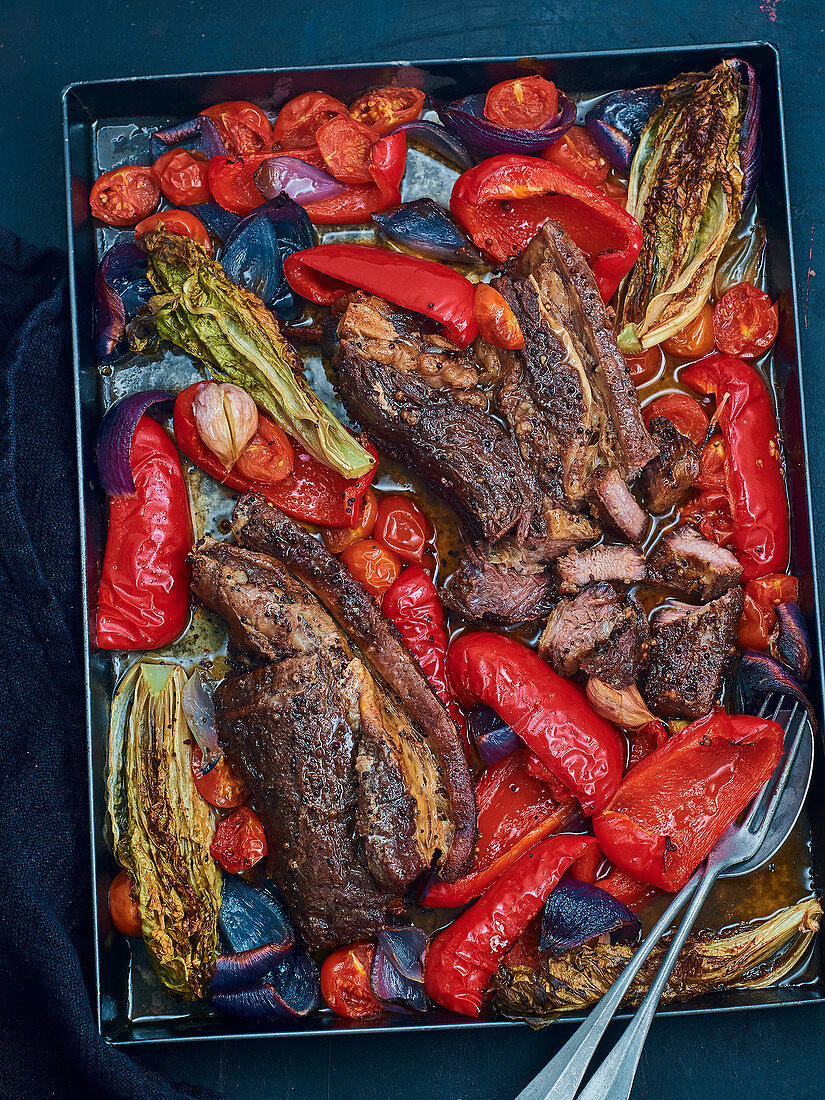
<point>526,103</point>
<point>125,195</point>
<point>123,908</point>
<point>299,119</point>
<point>762,596</point>
<point>182,175</point>
<point>179,222</point>
<point>745,322</point>
<point>232,181</point>
<point>686,415</point>
<point>239,841</point>
<point>345,981</point>
<point>383,108</point>
<point>220,786</point>
<point>578,153</point>
<point>243,126</point>
<point>269,457</point>
<point>346,146</point>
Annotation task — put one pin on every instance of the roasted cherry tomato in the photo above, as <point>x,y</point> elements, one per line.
<point>337,539</point>
<point>299,119</point>
<point>243,126</point>
<point>645,367</point>
<point>745,322</point>
<point>123,908</point>
<point>345,981</point>
<point>614,189</point>
<point>762,596</point>
<point>383,108</point>
<point>695,339</point>
<point>712,474</point>
<point>686,415</point>
<point>526,103</point>
<point>232,182</point>
<point>239,841</point>
<point>310,155</point>
<point>269,456</point>
<point>179,222</point>
<point>220,786</point>
<point>497,324</point>
<point>578,153</point>
<point>346,145</point>
<point>182,175</point>
<point>402,527</point>
<point>125,195</point>
<point>372,566</point>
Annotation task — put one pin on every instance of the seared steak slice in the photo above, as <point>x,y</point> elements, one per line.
<point>415,416</point>
<point>262,527</point>
<point>666,479</point>
<point>689,653</point>
<point>616,505</point>
<point>577,568</point>
<point>598,632</point>
<point>685,562</point>
<point>484,590</point>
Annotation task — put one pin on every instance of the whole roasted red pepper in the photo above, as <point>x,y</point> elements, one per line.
<point>504,201</point>
<point>143,599</point>
<point>674,805</point>
<point>329,271</point>
<point>753,465</point>
<point>358,201</point>
<point>551,715</point>
<point>312,492</point>
<point>464,957</point>
<point>515,812</point>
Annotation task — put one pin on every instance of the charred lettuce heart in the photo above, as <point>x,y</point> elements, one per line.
<point>201,310</point>
<point>685,191</point>
<point>161,828</point>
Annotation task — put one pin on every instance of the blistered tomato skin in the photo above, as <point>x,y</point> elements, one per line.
<point>345,982</point>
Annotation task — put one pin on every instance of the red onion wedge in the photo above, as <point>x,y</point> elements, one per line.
<point>302,182</point>
<point>406,947</point>
<point>114,440</point>
<point>121,288</point>
<point>466,119</point>
<point>577,912</point>
<point>494,738</point>
<point>438,139</point>
<point>199,133</point>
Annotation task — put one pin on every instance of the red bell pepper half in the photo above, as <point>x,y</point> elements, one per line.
<point>330,271</point>
<point>551,715</point>
<point>755,486</point>
<point>312,492</point>
<point>674,805</point>
<point>464,957</point>
<point>503,202</point>
<point>358,201</point>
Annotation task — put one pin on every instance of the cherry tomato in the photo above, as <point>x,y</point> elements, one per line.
<point>232,182</point>
<point>373,566</point>
<point>578,153</point>
<point>645,367</point>
<point>745,322</point>
<point>269,456</point>
<point>346,145</point>
<point>123,908</point>
<point>345,981</point>
<point>402,527</point>
<point>310,155</point>
<point>383,108</point>
<point>239,841</point>
<point>125,195</point>
<point>686,415</point>
<point>497,324</point>
<point>243,126</point>
<point>337,539</point>
<point>712,474</point>
<point>615,190</point>
<point>762,595</point>
<point>220,786</point>
<point>429,562</point>
<point>182,174</point>
<point>179,222</point>
<point>526,103</point>
<point>299,119</point>
<point>695,339</point>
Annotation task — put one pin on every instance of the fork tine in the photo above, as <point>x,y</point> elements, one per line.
<point>761,801</point>
<point>773,792</point>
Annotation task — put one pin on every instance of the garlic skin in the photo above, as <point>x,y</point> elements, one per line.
<point>625,707</point>
<point>226,418</point>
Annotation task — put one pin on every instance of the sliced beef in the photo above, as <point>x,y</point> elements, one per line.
<point>599,632</point>
<point>434,427</point>
<point>684,561</point>
<point>606,562</point>
<point>667,478</point>
<point>261,527</point>
<point>616,506</point>
<point>484,590</point>
<point>689,653</point>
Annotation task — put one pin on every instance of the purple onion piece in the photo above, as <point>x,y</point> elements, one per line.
<point>750,139</point>
<point>290,991</point>
<point>245,968</point>
<point>406,947</point>
<point>250,917</point>
<point>437,138</point>
<point>199,133</point>
<point>394,989</point>
<point>758,675</point>
<point>429,230</point>
<point>114,440</point>
<point>121,288</point>
<point>465,118</point>
<point>493,737</point>
<point>793,644</point>
<point>302,182</point>
<point>218,221</point>
<point>617,121</point>
<point>577,912</point>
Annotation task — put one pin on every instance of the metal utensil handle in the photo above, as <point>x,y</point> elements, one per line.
<point>614,1078</point>
<point>562,1076</point>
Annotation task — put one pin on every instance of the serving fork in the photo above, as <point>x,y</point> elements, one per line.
<point>743,848</point>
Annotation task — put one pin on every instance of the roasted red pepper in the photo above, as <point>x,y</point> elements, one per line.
<point>312,492</point>
<point>329,271</point>
<point>388,159</point>
<point>673,806</point>
<point>504,201</point>
<point>515,812</point>
<point>753,466</point>
<point>644,741</point>
<point>550,714</point>
<point>143,599</point>
<point>464,957</point>
<point>627,889</point>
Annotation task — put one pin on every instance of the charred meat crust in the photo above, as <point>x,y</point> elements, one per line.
<point>684,561</point>
<point>666,479</point>
<point>259,526</point>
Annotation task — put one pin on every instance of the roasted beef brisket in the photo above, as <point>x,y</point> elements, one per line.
<point>666,479</point>
<point>616,506</point>
<point>605,562</point>
<point>684,561</point>
<point>482,589</point>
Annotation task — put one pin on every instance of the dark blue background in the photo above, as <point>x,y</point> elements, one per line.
<point>44,46</point>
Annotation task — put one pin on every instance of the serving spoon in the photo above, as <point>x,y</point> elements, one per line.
<point>743,848</point>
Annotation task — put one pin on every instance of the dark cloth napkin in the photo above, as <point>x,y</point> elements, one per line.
<point>49,1043</point>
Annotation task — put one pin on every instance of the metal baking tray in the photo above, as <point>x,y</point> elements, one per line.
<point>107,123</point>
